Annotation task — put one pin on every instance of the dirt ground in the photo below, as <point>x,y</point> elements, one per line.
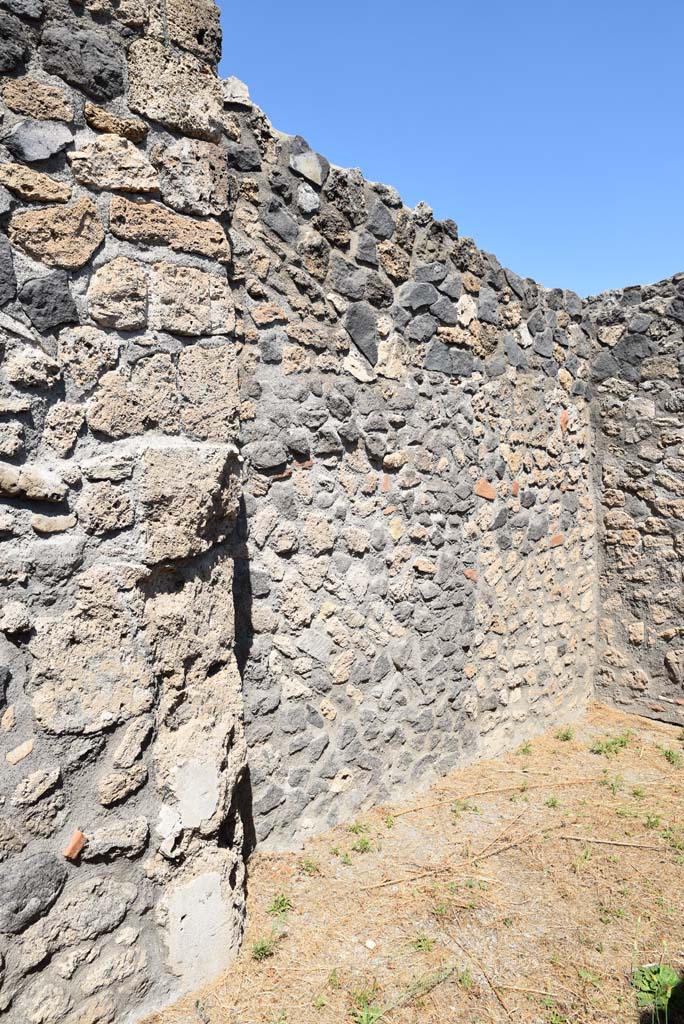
<point>521,889</point>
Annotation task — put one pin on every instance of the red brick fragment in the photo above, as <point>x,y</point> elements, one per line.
<point>563,419</point>
<point>557,540</point>
<point>485,490</point>
<point>75,845</point>
<point>515,487</point>
<point>471,574</point>
<point>385,484</point>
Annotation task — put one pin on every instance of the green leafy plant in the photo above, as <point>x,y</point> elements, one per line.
<point>565,735</point>
<point>658,987</point>
<point>280,905</point>
<point>526,748</point>
<point>307,866</point>
<point>362,845</point>
<point>366,1014</point>
<point>459,806</point>
<point>363,1011</point>
<point>610,746</point>
<point>552,801</point>
<point>389,820</point>
<point>357,828</point>
<point>465,979</point>
<point>672,757</point>
<point>423,943</point>
<point>262,949</point>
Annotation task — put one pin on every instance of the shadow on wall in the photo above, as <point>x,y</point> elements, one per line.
<point>244,638</point>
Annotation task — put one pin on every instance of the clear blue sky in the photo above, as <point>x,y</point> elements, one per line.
<point>551,132</point>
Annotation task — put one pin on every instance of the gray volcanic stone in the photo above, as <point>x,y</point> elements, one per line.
<point>438,358</point>
<point>14,40</point>
<point>266,454</point>
<point>84,58</point>
<point>37,140</point>
<point>362,326</point>
<point>432,272</point>
<point>243,158</point>
<point>29,885</point>
<point>279,220</point>
<point>462,362</point>
<point>422,328</point>
<point>25,8</point>
<point>347,279</point>
<point>445,310</point>
<point>8,281</point>
<point>487,307</point>
<point>305,162</point>
<point>48,301</point>
<point>380,221</point>
<point>515,354</point>
<point>414,294</point>
<point>367,249</point>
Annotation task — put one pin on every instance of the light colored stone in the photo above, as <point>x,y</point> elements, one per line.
<point>32,185</point>
<point>35,786</point>
<point>62,424</point>
<point>195,27</point>
<point>113,163</point>
<point>177,90</point>
<point>235,92</point>
<point>142,398</point>
<point>11,439</point>
<point>115,787</point>
<point>200,935</point>
<point>194,177</point>
<point>61,236</point>
<point>14,618</point>
<point>101,120</point>
<point>86,353</point>
<point>123,838</point>
<point>19,753</point>
<point>208,382</point>
<point>52,524</point>
<point>188,496</point>
<point>30,367</point>
<point>117,295</point>
<point>34,482</point>
<point>90,671</point>
<point>103,507</point>
<point>189,301</point>
<point>34,99</point>
<point>153,224</point>
<point>132,13</point>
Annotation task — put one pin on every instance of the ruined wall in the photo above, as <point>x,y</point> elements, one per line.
<point>120,705</point>
<point>638,369</point>
<point>417,578</point>
<point>297,501</point>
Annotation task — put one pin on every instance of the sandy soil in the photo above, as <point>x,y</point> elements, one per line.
<point>523,889</point>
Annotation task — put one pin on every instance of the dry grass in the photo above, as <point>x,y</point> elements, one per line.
<point>522,889</point>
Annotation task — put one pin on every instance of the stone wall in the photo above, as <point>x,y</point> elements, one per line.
<point>120,704</point>
<point>639,379</point>
<point>418,572</point>
<point>297,501</point>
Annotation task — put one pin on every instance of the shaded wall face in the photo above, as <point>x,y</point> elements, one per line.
<point>419,566</point>
<point>638,413</point>
<point>120,705</point>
